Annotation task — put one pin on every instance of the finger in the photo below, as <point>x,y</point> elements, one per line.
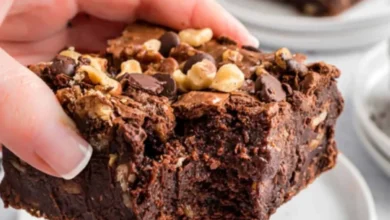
<point>36,20</point>
<point>196,13</point>
<point>87,34</point>
<point>36,51</point>
<point>173,13</point>
<point>34,126</point>
<point>189,13</point>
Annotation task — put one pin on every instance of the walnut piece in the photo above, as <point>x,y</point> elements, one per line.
<point>196,37</point>
<point>228,78</point>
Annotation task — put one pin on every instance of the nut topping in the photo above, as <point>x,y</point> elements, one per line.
<point>228,78</point>
<point>96,73</point>
<point>71,53</point>
<point>319,119</point>
<point>130,66</point>
<point>181,80</point>
<point>196,37</point>
<point>282,56</point>
<point>152,45</point>
<point>201,75</point>
<point>232,56</point>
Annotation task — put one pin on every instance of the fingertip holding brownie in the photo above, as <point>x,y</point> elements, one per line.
<point>184,126</point>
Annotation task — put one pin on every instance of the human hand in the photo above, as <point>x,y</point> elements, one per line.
<point>32,123</point>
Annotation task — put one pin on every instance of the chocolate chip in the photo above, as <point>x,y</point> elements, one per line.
<point>226,41</point>
<point>197,58</point>
<point>269,89</point>
<point>296,67</point>
<point>168,41</point>
<point>251,48</point>
<point>170,88</point>
<point>63,64</point>
<point>287,88</point>
<point>143,82</point>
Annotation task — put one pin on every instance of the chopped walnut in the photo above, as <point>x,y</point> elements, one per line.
<point>70,52</point>
<point>153,45</point>
<point>122,172</point>
<point>282,56</point>
<point>96,73</point>
<point>201,75</point>
<point>196,37</point>
<point>229,78</point>
<point>232,56</point>
<point>319,119</point>
<point>130,66</point>
<point>112,159</point>
<point>181,80</point>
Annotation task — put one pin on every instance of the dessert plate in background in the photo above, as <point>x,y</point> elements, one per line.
<point>340,194</point>
<point>379,157</point>
<point>372,95</point>
<point>279,16</point>
<point>277,25</point>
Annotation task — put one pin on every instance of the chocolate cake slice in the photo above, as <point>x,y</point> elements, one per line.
<point>322,7</point>
<point>184,126</point>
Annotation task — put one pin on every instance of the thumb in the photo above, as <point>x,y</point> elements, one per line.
<point>34,126</point>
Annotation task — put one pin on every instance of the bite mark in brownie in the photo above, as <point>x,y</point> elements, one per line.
<point>184,129</point>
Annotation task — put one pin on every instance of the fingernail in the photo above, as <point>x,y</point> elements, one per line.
<point>64,150</point>
<point>254,41</point>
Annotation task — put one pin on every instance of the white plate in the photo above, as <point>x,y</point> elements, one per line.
<point>371,94</point>
<point>275,15</point>
<point>326,41</point>
<point>379,157</point>
<point>279,25</point>
<point>340,194</point>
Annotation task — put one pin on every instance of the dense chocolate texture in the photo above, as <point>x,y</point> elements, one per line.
<point>198,155</point>
<point>321,7</point>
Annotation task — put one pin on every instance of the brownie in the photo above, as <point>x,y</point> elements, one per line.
<point>322,7</point>
<point>184,126</point>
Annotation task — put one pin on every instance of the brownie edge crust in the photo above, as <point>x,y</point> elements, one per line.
<point>183,126</point>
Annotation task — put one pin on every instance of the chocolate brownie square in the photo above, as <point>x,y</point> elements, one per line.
<point>184,126</point>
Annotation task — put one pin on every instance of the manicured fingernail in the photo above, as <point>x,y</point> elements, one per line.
<point>64,150</point>
<point>254,41</point>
